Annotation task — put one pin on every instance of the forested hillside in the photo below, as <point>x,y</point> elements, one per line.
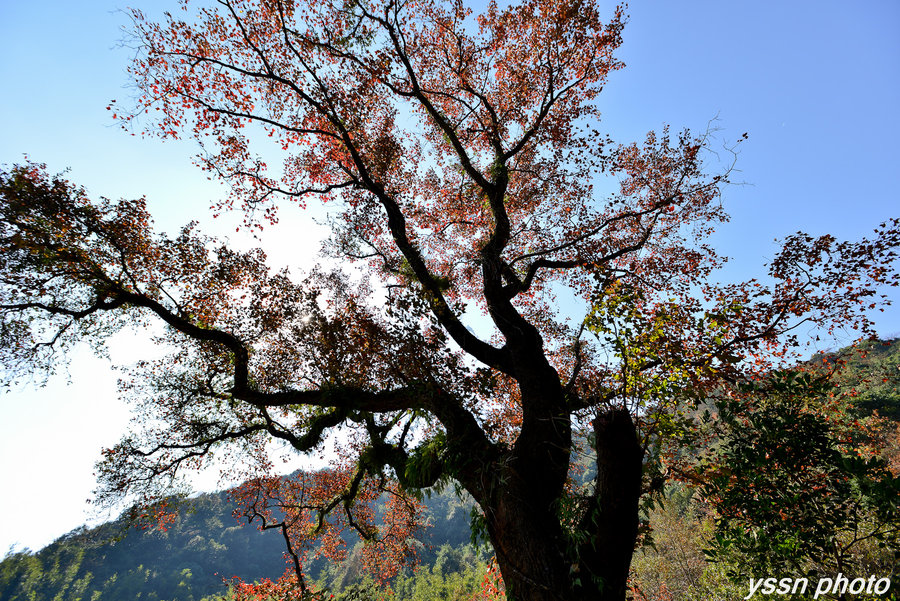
<point>874,376</point>
<point>114,561</point>
<point>205,547</point>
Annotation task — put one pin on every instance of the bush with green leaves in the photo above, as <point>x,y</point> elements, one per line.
<point>793,492</point>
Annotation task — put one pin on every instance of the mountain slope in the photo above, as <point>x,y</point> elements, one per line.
<point>194,558</point>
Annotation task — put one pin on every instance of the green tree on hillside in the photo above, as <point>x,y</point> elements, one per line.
<point>794,486</point>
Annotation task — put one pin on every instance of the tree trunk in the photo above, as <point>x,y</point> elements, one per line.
<point>615,518</point>
<point>542,561</point>
<point>530,550</point>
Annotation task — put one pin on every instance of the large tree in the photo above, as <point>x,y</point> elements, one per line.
<point>464,167</point>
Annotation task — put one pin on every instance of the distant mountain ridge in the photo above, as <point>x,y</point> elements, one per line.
<point>193,558</point>
<point>113,561</point>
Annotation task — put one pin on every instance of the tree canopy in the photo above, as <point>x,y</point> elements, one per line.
<point>470,178</point>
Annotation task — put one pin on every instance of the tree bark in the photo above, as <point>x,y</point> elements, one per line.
<point>538,558</point>
<point>615,516</point>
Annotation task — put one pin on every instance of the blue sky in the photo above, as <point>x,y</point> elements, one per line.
<point>816,84</point>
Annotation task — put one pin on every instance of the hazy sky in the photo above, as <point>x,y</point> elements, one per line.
<point>816,85</point>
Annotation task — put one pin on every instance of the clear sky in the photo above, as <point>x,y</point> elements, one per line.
<point>816,84</point>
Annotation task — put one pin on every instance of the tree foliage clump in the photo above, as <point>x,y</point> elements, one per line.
<point>787,476</point>
<point>796,486</point>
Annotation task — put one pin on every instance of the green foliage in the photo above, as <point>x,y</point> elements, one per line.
<point>791,464</point>
<point>424,464</point>
<point>453,573</point>
<point>871,373</point>
<point>792,492</point>
<point>455,576</point>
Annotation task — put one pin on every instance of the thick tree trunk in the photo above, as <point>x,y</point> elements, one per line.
<point>539,561</point>
<point>530,551</point>
<point>615,517</point>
